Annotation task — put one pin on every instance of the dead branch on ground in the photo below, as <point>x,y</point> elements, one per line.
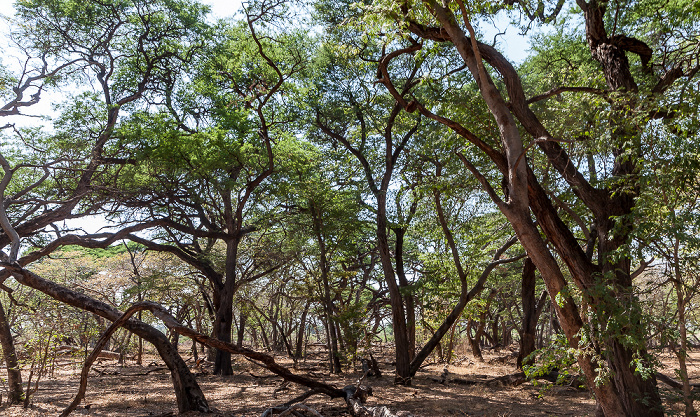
<point>353,396</point>
<point>673,383</point>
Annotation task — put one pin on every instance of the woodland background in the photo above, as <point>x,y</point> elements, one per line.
<point>348,176</point>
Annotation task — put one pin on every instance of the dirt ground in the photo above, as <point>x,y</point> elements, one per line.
<point>132,390</point>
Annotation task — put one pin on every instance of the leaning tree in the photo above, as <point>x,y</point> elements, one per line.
<point>568,168</point>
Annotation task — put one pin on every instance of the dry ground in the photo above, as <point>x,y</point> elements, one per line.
<point>132,390</point>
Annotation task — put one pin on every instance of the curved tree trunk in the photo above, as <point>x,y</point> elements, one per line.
<point>187,392</point>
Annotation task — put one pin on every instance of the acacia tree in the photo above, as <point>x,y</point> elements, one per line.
<point>395,179</point>
<point>463,268</point>
<point>119,63</point>
<point>668,209</point>
<point>371,127</point>
<point>638,73</point>
<point>202,161</point>
<point>327,204</point>
<point>22,174</point>
<point>330,212</point>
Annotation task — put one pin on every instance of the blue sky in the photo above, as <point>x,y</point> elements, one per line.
<point>515,46</point>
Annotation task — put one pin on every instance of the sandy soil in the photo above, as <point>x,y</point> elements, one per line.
<point>132,390</point>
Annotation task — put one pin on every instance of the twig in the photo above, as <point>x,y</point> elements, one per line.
<point>284,407</point>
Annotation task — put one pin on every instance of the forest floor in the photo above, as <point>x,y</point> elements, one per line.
<point>133,390</point>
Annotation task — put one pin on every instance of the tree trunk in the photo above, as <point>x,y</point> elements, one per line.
<point>139,357</point>
<point>331,336</point>
<point>682,329</point>
<point>494,330</point>
<point>222,331</point>
<point>241,329</point>
<point>14,375</point>
<point>332,346</point>
<point>266,341</point>
<point>476,341</point>
<point>299,349</point>
<point>527,334</point>
<point>398,315</point>
<point>188,395</point>
<point>409,303</point>
<point>223,302</point>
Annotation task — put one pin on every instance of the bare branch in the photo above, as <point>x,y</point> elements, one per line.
<point>558,90</point>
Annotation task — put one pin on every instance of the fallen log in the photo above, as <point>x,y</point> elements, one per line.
<point>513,380</point>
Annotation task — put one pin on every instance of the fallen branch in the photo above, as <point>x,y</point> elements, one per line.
<point>289,404</point>
<point>292,411</point>
<point>673,383</point>
<point>353,396</point>
<point>150,371</point>
<point>102,372</point>
<point>261,376</point>
<point>513,380</point>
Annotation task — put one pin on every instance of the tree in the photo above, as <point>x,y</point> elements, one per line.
<point>125,60</point>
<point>468,233</point>
<point>371,127</point>
<point>328,206</point>
<point>395,179</point>
<point>668,231</point>
<point>201,162</point>
<point>639,91</point>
